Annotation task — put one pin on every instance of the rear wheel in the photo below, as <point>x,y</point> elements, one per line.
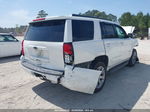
<point>101,81</point>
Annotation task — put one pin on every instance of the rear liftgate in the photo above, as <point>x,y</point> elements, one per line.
<point>80,79</point>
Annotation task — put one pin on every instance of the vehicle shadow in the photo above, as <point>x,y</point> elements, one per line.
<point>9,59</point>
<point>122,90</point>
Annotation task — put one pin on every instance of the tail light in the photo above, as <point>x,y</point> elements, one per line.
<point>68,53</point>
<point>39,19</point>
<point>22,51</point>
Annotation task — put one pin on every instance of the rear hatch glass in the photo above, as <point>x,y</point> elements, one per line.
<point>49,31</point>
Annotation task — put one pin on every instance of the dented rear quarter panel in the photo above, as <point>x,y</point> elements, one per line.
<point>88,50</point>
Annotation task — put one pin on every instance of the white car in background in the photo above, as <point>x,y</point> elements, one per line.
<point>9,45</point>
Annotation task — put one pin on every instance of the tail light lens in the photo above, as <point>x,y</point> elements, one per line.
<point>39,19</point>
<point>68,53</point>
<point>22,51</point>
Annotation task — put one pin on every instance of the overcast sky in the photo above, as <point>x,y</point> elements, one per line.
<point>23,11</point>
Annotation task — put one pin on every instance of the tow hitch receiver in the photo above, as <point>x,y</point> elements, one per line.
<point>80,79</point>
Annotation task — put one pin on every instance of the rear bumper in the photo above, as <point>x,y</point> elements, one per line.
<point>50,74</point>
<point>73,78</point>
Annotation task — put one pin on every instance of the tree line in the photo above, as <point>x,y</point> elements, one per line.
<point>17,31</point>
<point>140,21</point>
<point>101,15</point>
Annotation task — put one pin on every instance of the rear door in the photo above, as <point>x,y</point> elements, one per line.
<point>44,44</point>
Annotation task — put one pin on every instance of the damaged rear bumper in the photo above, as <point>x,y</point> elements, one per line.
<point>80,79</point>
<point>43,73</point>
<point>77,79</point>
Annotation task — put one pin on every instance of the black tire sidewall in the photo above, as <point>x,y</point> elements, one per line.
<point>131,59</point>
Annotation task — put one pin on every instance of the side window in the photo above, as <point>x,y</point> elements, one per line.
<point>7,38</point>
<point>120,32</point>
<point>108,31</point>
<point>82,30</point>
<point>2,38</point>
<point>11,38</point>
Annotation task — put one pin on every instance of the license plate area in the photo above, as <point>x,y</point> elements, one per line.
<point>38,52</point>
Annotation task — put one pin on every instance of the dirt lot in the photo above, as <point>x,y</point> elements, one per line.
<point>127,88</point>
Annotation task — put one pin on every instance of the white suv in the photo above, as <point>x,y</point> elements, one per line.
<point>76,51</point>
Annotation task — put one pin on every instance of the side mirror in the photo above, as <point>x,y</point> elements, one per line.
<point>130,35</point>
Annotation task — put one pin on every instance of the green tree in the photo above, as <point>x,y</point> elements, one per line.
<point>148,20</point>
<point>98,14</point>
<point>42,14</point>
<point>126,19</point>
<point>140,21</point>
<point>149,23</point>
<point>142,24</point>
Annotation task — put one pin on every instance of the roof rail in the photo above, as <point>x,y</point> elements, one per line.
<point>77,15</point>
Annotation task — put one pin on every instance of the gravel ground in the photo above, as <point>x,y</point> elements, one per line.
<point>128,88</point>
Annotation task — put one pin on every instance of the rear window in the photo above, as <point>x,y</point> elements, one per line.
<point>82,30</point>
<point>51,31</point>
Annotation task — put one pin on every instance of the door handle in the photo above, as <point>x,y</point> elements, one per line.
<point>122,43</point>
<point>108,44</point>
<point>37,47</point>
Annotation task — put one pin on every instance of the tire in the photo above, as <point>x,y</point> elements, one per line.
<point>133,59</point>
<point>100,66</point>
